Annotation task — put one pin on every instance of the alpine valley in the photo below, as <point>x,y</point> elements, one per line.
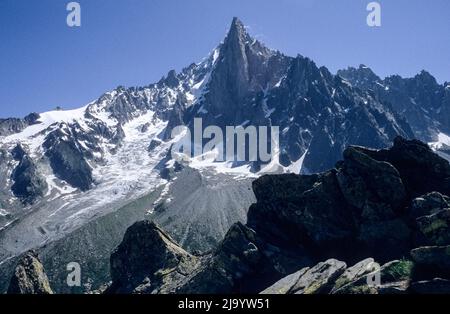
<point>73,181</point>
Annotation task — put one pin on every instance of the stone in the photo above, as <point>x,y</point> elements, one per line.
<point>320,278</point>
<point>435,227</point>
<point>284,285</point>
<point>355,272</point>
<point>29,277</point>
<point>29,185</point>
<point>432,261</point>
<point>428,204</point>
<point>393,278</point>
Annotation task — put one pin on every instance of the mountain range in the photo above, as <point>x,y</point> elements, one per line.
<point>73,181</point>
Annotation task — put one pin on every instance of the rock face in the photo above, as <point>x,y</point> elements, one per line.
<point>284,285</point>
<point>28,184</point>
<point>366,207</point>
<point>319,278</point>
<point>67,161</point>
<point>148,260</point>
<point>29,277</point>
<point>435,227</point>
<point>363,203</point>
<point>420,99</point>
<point>355,273</point>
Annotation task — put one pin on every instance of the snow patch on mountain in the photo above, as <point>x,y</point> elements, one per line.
<point>442,140</point>
<point>45,120</point>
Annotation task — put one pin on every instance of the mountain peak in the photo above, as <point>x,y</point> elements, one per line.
<point>237,26</point>
<point>237,33</point>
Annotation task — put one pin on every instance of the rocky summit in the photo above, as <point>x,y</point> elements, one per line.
<point>368,226</point>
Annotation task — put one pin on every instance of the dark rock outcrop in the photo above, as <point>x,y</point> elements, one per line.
<point>11,125</point>
<point>435,227</point>
<point>428,204</point>
<point>358,209</point>
<point>15,125</point>
<point>28,183</point>
<point>148,260</point>
<point>368,206</point>
<point>18,152</point>
<point>67,160</point>
<point>29,277</point>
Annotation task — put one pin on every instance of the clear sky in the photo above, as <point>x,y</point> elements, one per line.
<point>44,63</point>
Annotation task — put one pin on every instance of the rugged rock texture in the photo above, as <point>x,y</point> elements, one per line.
<point>284,285</point>
<point>29,185</point>
<point>148,260</point>
<point>355,272</point>
<point>365,207</point>
<point>428,204</point>
<point>420,99</point>
<point>363,203</point>
<point>318,114</point>
<point>319,278</point>
<point>29,277</point>
<point>67,160</point>
<point>392,277</point>
<point>435,227</point>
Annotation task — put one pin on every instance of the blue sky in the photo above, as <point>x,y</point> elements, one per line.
<point>44,63</point>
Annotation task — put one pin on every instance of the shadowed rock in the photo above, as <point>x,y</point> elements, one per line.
<point>28,184</point>
<point>148,260</point>
<point>434,286</point>
<point>436,227</point>
<point>29,277</point>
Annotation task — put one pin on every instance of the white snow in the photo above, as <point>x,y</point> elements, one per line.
<point>280,81</point>
<point>296,167</point>
<point>216,54</point>
<point>207,160</point>
<point>442,139</point>
<point>243,124</point>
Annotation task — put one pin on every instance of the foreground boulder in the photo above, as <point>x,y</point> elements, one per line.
<point>29,277</point>
<point>364,207</point>
<point>435,227</point>
<point>356,272</point>
<point>318,279</point>
<point>285,285</point>
<point>428,204</point>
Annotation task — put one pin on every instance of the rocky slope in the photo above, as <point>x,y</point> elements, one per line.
<point>374,208</point>
<point>373,211</point>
